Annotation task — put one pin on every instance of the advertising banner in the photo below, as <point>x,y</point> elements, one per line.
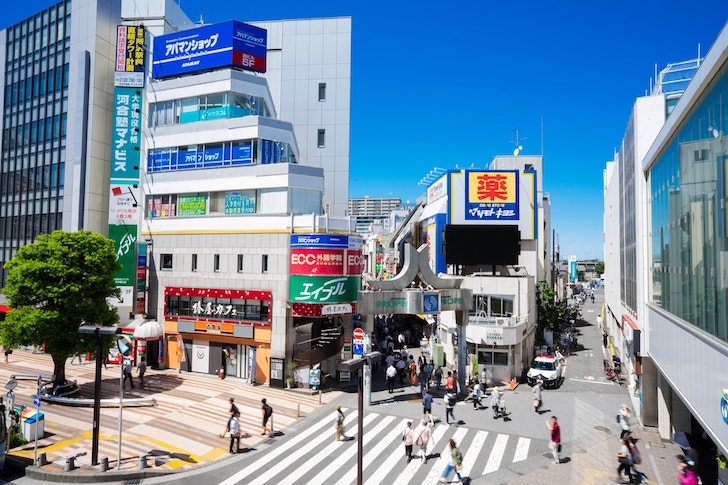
<point>126,136</point>
<point>317,262</point>
<point>191,205</point>
<point>239,203</point>
<point>124,237</point>
<point>123,204</point>
<point>130,48</point>
<point>324,289</point>
<point>491,195</point>
<point>208,47</point>
<point>354,262</point>
<point>326,241</point>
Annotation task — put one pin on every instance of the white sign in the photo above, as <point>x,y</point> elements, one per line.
<point>124,204</point>
<point>338,309</point>
<point>126,298</point>
<point>493,335</point>
<point>129,79</point>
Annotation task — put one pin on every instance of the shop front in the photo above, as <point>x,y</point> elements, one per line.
<point>218,331</point>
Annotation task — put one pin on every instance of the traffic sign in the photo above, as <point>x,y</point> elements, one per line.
<point>359,349</point>
<point>11,384</point>
<point>359,333</point>
<point>36,400</point>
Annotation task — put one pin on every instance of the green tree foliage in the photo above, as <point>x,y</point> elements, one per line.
<point>550,313</point>
<point>53,286</point>
<point>599,267</point>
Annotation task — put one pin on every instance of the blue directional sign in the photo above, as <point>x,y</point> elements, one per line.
<point>359,349</point>
<point>36,400</point>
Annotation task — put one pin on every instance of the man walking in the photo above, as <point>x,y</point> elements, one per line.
<point>233,411</point>
<point>234,428</point>
<point>555,441</point>
<point>141,369</point>
<point>127,374</point>
<point>449,383</point>
<point>427,405</point>
<point>340,436</point>
<point>267,413</point>
<point>391,374</point>
<point>537,395</point>
<point>449,404</point>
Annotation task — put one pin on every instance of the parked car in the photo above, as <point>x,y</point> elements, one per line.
<point>548,368</point>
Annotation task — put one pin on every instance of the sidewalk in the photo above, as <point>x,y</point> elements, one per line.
<point>180,433</point>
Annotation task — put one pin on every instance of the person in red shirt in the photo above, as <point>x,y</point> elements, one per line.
<point>449,383</point>
<point>555,442</point>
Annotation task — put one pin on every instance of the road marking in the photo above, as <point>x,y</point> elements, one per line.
<point>496,454</point>
<point>284,448</point>
<point>591,381</point>
<point>445,457</point>
<point>473,451</point>
<point>521,449</point>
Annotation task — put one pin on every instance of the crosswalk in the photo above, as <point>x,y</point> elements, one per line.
<point>313,456</point>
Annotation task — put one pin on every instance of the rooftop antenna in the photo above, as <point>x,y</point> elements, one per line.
<point>517,142</point>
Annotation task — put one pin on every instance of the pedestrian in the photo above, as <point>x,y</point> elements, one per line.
<point>495,398</point>
<point>401,370</point>
<point>340,436</point>
<point>624,457</point>
<point>234,428</point>
<point>401,340</point>
<point>423,436</point>
<point>536,393</point>
<point>423,378</point>
<point>127,374</point>
<point>391,374</point>
<point>449,405</point>
<point>421,360</point>
<point>141,369</point>
<point>267,413</point>
<point>475,395</point>
<point>7,351</point>
<point>233,411</point>
<point>623,419</point>
<point>449,383</point>
<point>76,355</point>
<point>412,370</point>
<point>685,473</point>
<point>437,376</point>
<point>555,441</point>
<point>408,439</point>
<point>605,338</point>
<point>455,463</point>
<point>427,405</point>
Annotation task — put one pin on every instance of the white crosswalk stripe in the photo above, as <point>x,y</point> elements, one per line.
<point>312,456</point>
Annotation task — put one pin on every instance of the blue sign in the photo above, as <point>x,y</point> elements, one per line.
<point>724,406</point>
<point>430,303</point>
<point>358,349</point>
<point>36,400</point>
<point>326,241</point>
<point>209,47</point>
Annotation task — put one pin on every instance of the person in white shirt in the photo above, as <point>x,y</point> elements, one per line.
<point>422,437</point>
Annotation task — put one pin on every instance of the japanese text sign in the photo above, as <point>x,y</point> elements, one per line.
<point>491,195</point>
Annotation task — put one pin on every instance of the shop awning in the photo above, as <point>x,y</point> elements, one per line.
<point>150,330</point>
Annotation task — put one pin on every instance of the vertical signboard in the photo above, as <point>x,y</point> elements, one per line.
<point>126,136</point>
<point>129,56</point>
<point>124,237</point>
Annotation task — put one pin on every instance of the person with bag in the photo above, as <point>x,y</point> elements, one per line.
<point>624,457</point>
<point>536,393</point>
<point>555,441</point>
<point>423,436</point>
<point>234,428</point>
<point>449,405</point>
<point>623,420</point>
<point>408,438</point>
<point>455,463</point>
<point>340,436</point>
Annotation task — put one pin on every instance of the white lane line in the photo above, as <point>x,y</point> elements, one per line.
<point>284,448</point>
<point>522,449</point>
<point>496,454</point>
<point>320,457</point>
<point>373,453</point>
<point>440,465</point>
<point>591,382</point>
<point>338,463</point>
<point>471,454</point>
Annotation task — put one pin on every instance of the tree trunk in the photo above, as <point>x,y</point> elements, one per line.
<point>59,369</point>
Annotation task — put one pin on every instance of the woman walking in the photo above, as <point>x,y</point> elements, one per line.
<point>456,463</point>
<point>408,438</point>
<point>423,436</point>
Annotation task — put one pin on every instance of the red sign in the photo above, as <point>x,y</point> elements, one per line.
<point>354,262</point>
<point>329,262</point>
<point>358,333</point>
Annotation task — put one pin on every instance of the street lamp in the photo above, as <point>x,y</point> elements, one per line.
<point>357,365</point>
<point>98,331</point>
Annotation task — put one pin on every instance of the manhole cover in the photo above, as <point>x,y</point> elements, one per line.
<point>602,428</point>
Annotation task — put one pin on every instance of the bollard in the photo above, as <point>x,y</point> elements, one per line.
<point>69,464</point>
<point>42,459</point>
<point>298,410</point>
<point>319,397</point>
<point>142,462</point>
<point>104,466</point>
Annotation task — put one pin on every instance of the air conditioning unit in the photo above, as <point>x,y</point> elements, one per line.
<point>501,321</point>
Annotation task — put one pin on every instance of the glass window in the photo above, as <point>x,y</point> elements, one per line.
<point>166,261</point>
<point>240,263</point>
<point>321,140</point>
<point>194,262</point>
<point>216,263</point>
<point>322,92</point>
<point>265,263</point>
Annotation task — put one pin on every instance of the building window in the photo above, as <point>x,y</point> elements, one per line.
<point>321,138</point>
<point>240,263</point>
<point>265,263</point>
<point>194,262</point>
<point>216,263</point>
<point>322,91</point>
<point>166,261</point>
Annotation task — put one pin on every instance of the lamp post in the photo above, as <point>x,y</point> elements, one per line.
<point>357,365</point>
<point>98,331</point>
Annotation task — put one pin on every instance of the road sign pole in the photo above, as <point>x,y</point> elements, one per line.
<point>37,418</point>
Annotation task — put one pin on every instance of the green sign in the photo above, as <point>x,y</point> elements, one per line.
<point>324,289</point>
<point>124,237</point>
<point>191,205</point>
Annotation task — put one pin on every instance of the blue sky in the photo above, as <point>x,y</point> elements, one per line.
<point>435,86</point>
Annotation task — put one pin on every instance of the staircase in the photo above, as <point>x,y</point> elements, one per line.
<point>313,351</point>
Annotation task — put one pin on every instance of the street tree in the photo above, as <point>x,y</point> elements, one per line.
<point>599,267</point>
<point>53,286</point>
<point>550,312</point>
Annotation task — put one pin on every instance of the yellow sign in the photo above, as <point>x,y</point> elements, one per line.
<point>492,187</point>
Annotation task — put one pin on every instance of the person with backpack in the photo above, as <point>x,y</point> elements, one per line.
<point>623,420</point>
<point>267,413</point>
<point>624,457</point>
<point>685,473</point>
<point>636,460</point>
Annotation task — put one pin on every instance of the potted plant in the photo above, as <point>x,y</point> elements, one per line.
<point>290,374</point>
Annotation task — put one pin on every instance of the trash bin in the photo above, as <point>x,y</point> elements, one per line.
<point>28,425</point>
